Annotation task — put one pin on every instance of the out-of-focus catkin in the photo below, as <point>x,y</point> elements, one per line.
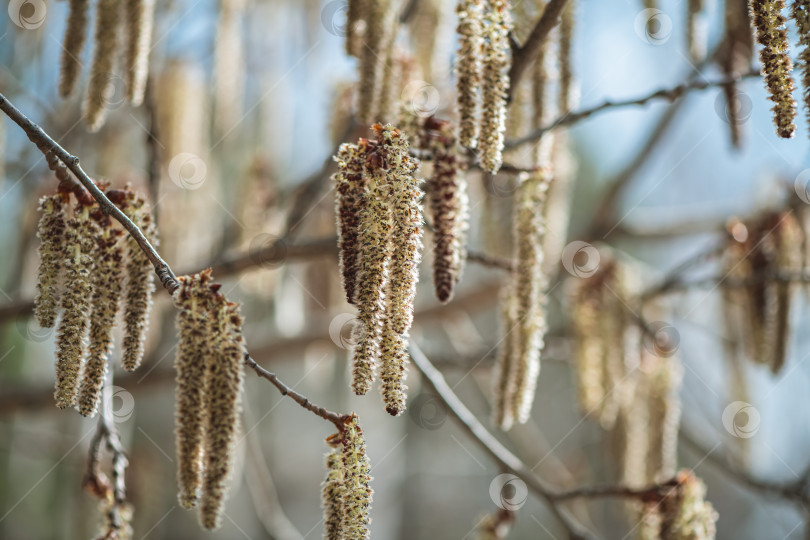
<point>682,512</point>
<point>71,340</point>
<point>72,46</point>
<point>564,56</point>
<point>495,526</point>
<point>469,68</point>
<point>355,26</point>
<point>357,489</point>
<point>51,232</point>
<point>661,385</point>
<point>332,493</point>
<point>800,11</point>
<point>508,348</point>
<point>138,26</point>
<point>140,284</point>
<point>695,30</point>
<point>776,65</point>
<point>108,22</point>
<point>106,294</point>
<point>350,187</point>
<point>372,57</point>
<point>734,59</point>
<point>495,85</point>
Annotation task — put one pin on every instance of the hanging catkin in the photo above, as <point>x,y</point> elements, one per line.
<point>734,60</point>
<point>332,492</point>
<point>449,210</point>
<point>140,284</point>
<point>564,56</point>
<point>469,68</point>
<point>504,363</point>
<point>776,65</point>
<point>138,27</point>
<point>663,406</point>
<point>350,187</point>
<point>800,10</point>
<point>681,513</point>
<point>355,26</point>
<point>51,232</point>
<point>71,339</point>
<point>108,22</point>
<point>106,293</point>
<point>372,58</point>
<point>695,31</point>
<point>495,85</point>
<point>357,490</point>
<point>72,46</point>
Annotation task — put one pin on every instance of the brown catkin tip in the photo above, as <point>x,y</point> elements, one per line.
<point>139,16</point>
<point>394,353</point>
<point>107,284</point>
<point>800,10</point>
<point>108,20</point>
<point>357,489</point>
<point>225,376</point>
<point>332,493</point>
<point>350,187</point>
<point>468,68</point>
<point>79,254</point>
<point>195,348</point>
<point>140,284</point>
<point>776,65</point>
<point>72,45</point>
<point>51,232</point>
<point>495,86</point>
<point>449,210</point>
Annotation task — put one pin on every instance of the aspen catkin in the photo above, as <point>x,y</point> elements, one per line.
<point>51,232</point>
<point>350,187</point>
<point>564,56</point>
<point>800,11</point>
<point>138,44</point>
<point>357,490</point>
<point>695,31</point>
<point>468,68</point>
<point>108,19</point>
<point>496,54</point>
<point>106,293</point>
<point>332,493</point>
<point>664,409</point>
<point>72,46</point>
<point>371,57</point>
<point>502,416</point>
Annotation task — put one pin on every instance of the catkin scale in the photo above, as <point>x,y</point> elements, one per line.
<point>108,22</point>
<point>468,68</point>
<point>51,232</point>
<point>138,26</point>
<point>72,45</point>
<point>495,85</point>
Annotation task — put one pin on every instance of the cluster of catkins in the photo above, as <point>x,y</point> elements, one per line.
<point>482,70</point>
<point>81,247</point>
<point>135,16</point>
<point>757,307</point>
<point>680,513</point>
<point>346,491</point>
<point>380,239</point>
<point>210,372</point>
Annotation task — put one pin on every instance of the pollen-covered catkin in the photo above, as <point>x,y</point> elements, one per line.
<point>776,65</point>
<point>195,348</point>
<point>71,339</point>
<point>350,188</point>
<point>225,376</point>
<point>138,44</point>
<point>72,46</point>
<point>468,68</point>
<point>683,512</point>
<point>449,210</point>
<point>108,22</point>
<point>51,232</point>
<point>140,284</point>
<point>502,416</point>
<point>107,285</point>
<point>495,85</point>
<point>332,493</point>
<point>800,10</point>
<point>357,490</point>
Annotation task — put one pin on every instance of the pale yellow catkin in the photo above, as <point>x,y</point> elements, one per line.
<point>107,284</point>
<point>108,23</point>
<point>682,512</point>
<point>357,489</point>
<point>588,349</point>
<point>495,85</point>
<point>564,56</point>
<point>229,74</point>
<point>51,232</point>
<point>664,410</point>
<point>468,68</point>
<point>502,416</point>
<point>73,45</point>
<point>332,495</point>
<point>800,11</point>
<point>138,26</point>
<point>695,31</point>
<point>71,339</point>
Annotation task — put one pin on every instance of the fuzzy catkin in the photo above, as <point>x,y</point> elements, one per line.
<point>350,187</point>
<point>138,22</point>
<point>72,46</point>
<point>332,493</point>
<point>449,209</point>
<point>664,410</point>
<point>71,339</point>
<point>372,56</point>
<point>800,11</point>
<point>355,25</point>
<point>469,68</point>
<point>140,285</point>
<point>776,65</point>
<point>695,31</point>
<point>108,21</point>
<point>51,232</point>
<point>495,85</point>
<point>224,380</point>
<point>588,350</point>
<point>682,513</point>
<point>357,490</point>
<point>564,56</point>
<point>502,416</point>
<point>107,284</point>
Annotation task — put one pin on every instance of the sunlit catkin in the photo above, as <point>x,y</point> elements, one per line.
<point>664,413</point>
<point>332,493</point>
<point>506,358</point>
<point>468,68</point>
<point>682,512</point>
<point>357,490</point>
<point>140,284</point>
<point>108,22</point>
<point>51,233</point>
<point>195,348</point>
<point>224,379</point>
<point>776,65</point>
<point>800,10</point>
<point>350,188</point>
<point>72,46</point>
<point>71,339</point>
<point>449,210</point>
<point>107,284</point>
<point>138,26</point>
<point>588,346</point>
<point>495,85</point>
